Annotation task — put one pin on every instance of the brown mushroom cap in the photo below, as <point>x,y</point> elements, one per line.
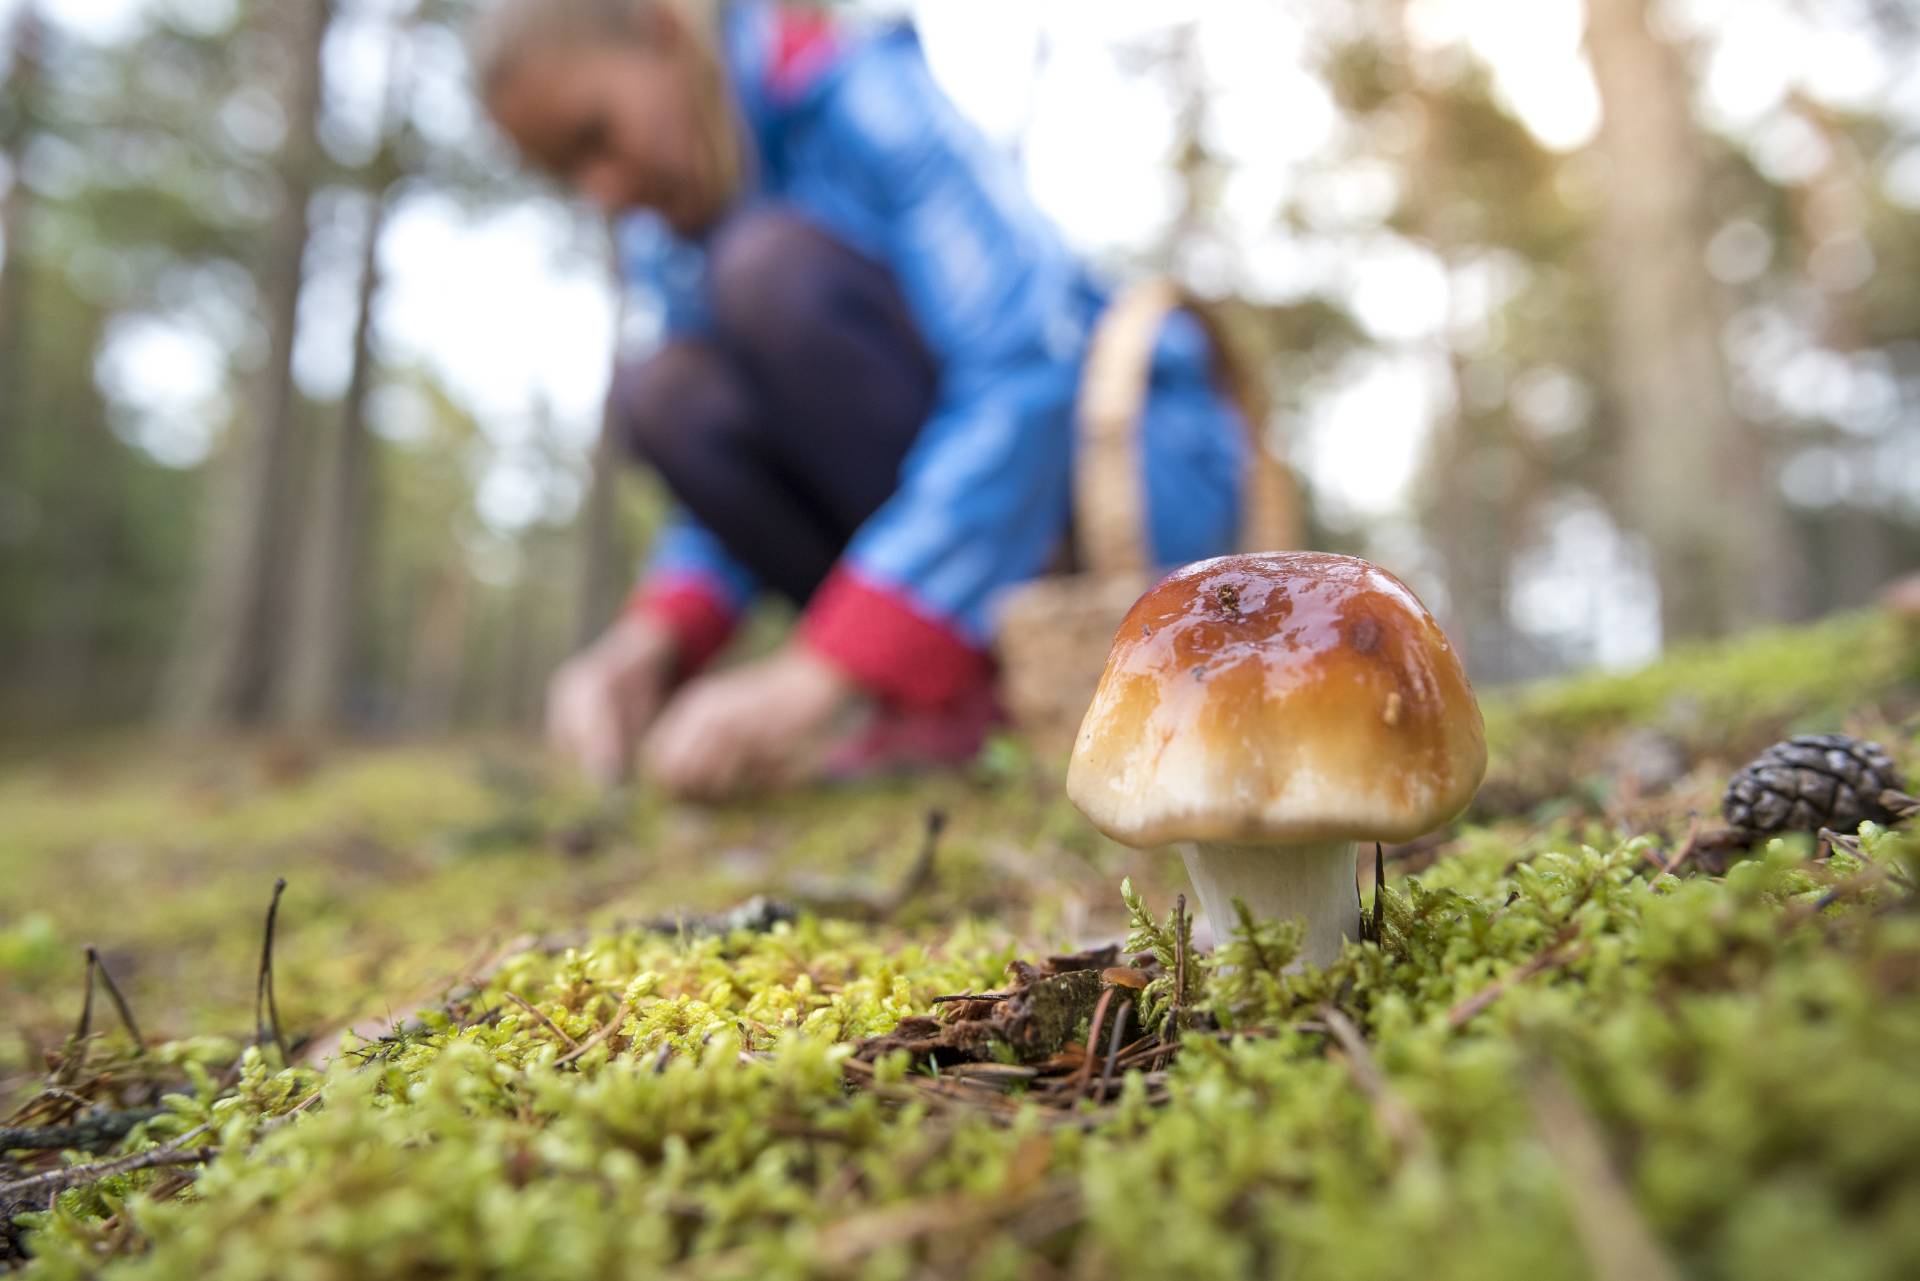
<point>1281,697</point>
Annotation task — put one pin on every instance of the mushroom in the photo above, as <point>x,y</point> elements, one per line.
<point>1267,711</point>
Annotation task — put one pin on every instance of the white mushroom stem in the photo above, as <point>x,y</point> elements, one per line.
<point>1314,882</point>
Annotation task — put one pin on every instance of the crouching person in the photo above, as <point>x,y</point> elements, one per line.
<point>863,401</point>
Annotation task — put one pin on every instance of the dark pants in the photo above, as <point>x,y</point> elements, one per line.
<point>783,428</point>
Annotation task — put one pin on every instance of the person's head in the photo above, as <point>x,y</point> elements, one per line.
<point>623,100</point>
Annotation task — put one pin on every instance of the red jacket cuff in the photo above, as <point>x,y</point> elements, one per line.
<point>883,642</point>
<point>695,612</point>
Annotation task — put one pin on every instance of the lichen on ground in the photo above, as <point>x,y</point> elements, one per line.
<point>1559,1060</point>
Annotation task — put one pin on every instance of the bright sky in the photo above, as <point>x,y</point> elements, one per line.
<point>512,321</point>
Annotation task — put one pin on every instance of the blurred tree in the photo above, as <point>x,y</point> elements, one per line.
<point>1479,196</point>
<point>229,649</point>
<point>1697,480</point>
<point>1465,160</point>
<point>603,572</point>
<point>141,218</point>
<point>88,545</point>
<point>18,112</point>
<point>326,601</point>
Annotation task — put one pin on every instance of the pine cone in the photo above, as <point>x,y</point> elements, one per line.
<point>1810,782</point>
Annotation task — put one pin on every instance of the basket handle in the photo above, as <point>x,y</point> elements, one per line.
<point>1109,489</point>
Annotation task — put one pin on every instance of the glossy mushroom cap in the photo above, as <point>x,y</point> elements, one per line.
<point>1281,697</point>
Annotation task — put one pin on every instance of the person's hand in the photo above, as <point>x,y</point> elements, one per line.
<point>601,699</point>
<point>753,725</point>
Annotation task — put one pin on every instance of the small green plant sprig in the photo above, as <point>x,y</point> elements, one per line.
<point>1167,997</point>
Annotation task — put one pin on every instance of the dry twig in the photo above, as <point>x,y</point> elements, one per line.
<point>1179,1013</point>
<point>919,877</point>
<point>548,1023</point>
<point>1619,1245</point>
<point>1113,1056</point>
<point>265,1006</point>
<point>99,1131</point>
<point>1679,860</point>
<point>96,966</point>
<point>1379,895</point>
<point>54,1182</point>
<point>1554,955</point>
<point>1084,1077</point>
<point>1397,1120</point>
<point>613,1024</point>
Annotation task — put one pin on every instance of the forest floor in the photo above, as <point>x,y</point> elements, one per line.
<point>520,1030</point>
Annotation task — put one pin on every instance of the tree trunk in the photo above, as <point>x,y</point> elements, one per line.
<point>326,589</point>
<point>229,656</point>
<point>319,654</point>
<point>1695,481</point>
<point>516,677</point>
<point>603,571</point>
<point>602,574</point>
<point>1477,519</point>
<point>1854,555</point>
<point>439,651</point>
<point>23,83</point>
<point>1478,486</point>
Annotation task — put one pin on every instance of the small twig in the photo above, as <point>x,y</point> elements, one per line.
<point>1084,1077</point>
<point>62,1095</point>
<point>551,1026</point>
<point>96,965</point>
<point>1899,804</point>
<point>301,1106</point>
<point>100,1131</point>
<point>265,1006</point>
<point>1113,1053</point>
<point>85,1027</point>
<point>54,1182</point>
<point>275,1122</point>
<point>972,996</point>
<point>1397,1120</point>
<point>1140,1051</point>
<point>1619,1245</point>
<point>1799,913</point>
<point>1554,955</point>
<point>1179,1012</point>
<point>920,875</point>
<point>1687,847</point>
<point>1379,896</point>
<point>613,1024</point>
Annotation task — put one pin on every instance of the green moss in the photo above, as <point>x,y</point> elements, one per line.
<point>1738,1050</point>
<point>1764,680</point>
<point>1720,702</point>
<point>475,1151</point>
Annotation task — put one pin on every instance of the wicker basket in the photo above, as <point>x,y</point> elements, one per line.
<point>1055,631</point>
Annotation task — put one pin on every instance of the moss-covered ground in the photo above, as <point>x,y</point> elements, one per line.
<point>519,1047</point>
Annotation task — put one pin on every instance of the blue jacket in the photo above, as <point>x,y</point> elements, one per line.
<point>851,130</point>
